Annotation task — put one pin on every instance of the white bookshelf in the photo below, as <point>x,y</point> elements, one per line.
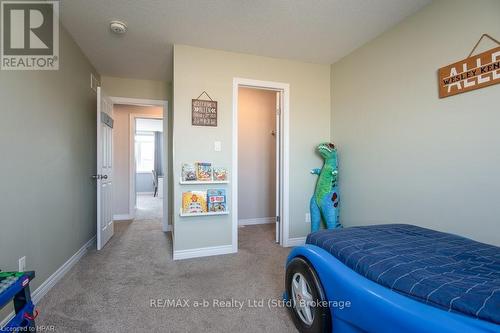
<point>202,214</point>
<point>201,182</point>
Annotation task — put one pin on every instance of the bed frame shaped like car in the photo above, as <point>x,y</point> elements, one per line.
<point>373,307</point>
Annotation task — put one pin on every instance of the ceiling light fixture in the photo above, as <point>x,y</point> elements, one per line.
<point>118,27</point>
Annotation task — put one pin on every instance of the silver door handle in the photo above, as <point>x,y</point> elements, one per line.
<point>104,177</point>
<point>96,177</point>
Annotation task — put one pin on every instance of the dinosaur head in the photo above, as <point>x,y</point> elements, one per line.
<point>327,150</point>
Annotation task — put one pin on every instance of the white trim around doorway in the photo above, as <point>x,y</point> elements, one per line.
<point>148,102</point>
<point>284,88</point>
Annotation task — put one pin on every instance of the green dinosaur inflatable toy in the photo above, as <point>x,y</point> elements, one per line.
<point>325,201</point>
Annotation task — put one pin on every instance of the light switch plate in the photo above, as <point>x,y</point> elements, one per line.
<point>22,264</point>
<point>94,82</point>
<point>217,146</point>
<point>308,218</point>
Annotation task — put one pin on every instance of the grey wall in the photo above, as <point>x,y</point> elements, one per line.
<point>144,182</point>
<point>406,155</point>
<point>256,153</point>
<point>48,149</point>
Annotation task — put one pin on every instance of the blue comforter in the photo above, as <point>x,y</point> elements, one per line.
<point>443,270</point>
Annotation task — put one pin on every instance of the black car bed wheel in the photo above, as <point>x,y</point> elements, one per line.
<point>306,295</point>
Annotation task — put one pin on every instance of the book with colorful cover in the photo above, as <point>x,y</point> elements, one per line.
<point>216,200</point>
<point>188,172</point>
<point>220,174</point>
<point>194,202</point>
<point>204,171</point>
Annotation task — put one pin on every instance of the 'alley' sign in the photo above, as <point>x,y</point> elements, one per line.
<point>475,72</point>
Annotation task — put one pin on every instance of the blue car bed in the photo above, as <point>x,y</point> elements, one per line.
<point>393,278</point>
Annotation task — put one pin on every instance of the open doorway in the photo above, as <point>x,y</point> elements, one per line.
<point>260,161</point>
<point>258,168</point>
<point>149,171</point>
<point>140,161</point>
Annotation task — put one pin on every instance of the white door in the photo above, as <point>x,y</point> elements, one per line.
<point>104,169</point>
<point>278,167</point>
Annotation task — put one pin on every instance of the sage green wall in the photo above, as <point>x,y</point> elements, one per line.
<point>134,88</point>
<point>48,149</point>
<point>197,70</point>
<point>407,156</point>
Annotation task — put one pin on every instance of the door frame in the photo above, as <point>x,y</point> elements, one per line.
<point>284,187</point>
<point>166,157</point>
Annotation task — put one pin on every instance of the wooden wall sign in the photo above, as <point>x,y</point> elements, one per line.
<point>474,72</point>
<point>203,112</point>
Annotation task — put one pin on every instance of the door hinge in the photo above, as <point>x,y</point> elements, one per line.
<point>277,218</point>
<point>278,111</point>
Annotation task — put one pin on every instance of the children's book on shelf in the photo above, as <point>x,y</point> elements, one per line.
<point>216,200</point>
<point>203,171</point>
<point>194,202</point>
<point>188,172</point>
<point>220,174</point>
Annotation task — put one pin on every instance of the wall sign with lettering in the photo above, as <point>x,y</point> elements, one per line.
<point>472,73</point>
<point>204,112</point>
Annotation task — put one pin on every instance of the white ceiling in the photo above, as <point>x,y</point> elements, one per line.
<point>318,31</point>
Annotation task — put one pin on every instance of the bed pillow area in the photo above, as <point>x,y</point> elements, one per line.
<point>443,270</point>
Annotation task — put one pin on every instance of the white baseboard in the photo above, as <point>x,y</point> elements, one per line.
<point>298,241</point>
<point>44,288</point>
<point>203,252</point>
<point>123,217</point>
<point>6,320</point>
<point>259,220</point>
<point>61,271</point>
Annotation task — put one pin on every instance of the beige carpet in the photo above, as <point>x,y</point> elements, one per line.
<point>111,290</point>
<point>148,207</point>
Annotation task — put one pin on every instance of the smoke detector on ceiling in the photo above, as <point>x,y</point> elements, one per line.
<point>118,27</point>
